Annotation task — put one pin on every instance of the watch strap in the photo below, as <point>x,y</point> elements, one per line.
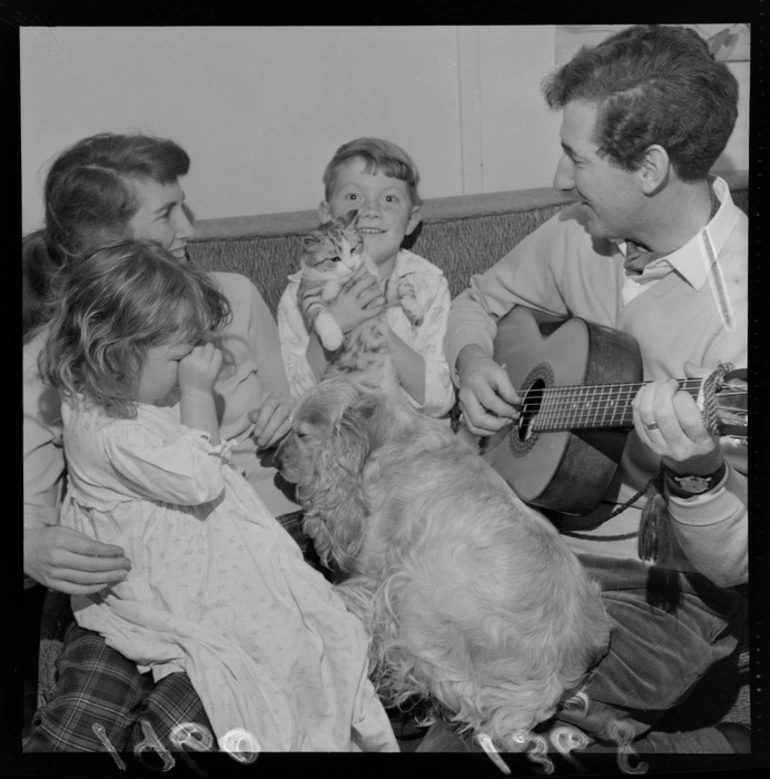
<point>685,485</point>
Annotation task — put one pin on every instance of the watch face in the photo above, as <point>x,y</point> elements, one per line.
<point>693,484</point>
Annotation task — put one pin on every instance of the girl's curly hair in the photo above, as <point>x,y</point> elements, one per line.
<point>106,310</point>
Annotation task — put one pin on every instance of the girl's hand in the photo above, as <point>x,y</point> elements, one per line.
<point>360,299</point>
<point>70,562</point>
<point>272,420</point>
<point>198,371</point>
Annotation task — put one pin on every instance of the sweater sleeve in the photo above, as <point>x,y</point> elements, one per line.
<point>294,339</point>
<point>712,529</point>
<point>428,342</point>
<point>252,364</point>
<point>524,276</point>
<point>43,455</point>
<point>265,342</point>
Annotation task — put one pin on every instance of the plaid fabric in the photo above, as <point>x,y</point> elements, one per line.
<point>97,686</point>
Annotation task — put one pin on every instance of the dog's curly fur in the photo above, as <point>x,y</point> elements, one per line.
<point>472,598</point>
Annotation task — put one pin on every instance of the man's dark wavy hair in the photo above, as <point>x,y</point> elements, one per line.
<point>653,85</point>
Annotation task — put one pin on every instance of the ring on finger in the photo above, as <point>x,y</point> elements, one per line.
<point>650,425</point>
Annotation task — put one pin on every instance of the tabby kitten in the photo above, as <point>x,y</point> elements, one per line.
<point>332,254</point>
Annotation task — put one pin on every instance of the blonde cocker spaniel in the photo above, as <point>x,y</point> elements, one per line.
<point>472,599</point>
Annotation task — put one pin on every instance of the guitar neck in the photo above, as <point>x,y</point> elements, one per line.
<point>583,407</point>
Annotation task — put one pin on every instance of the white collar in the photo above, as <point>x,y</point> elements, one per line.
<point>693,261</point>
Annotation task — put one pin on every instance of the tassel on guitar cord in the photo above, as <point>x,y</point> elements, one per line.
<point>654,525</point>
<point>655,544</point>
<point>654,539</point>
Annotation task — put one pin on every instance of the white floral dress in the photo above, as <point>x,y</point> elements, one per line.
<point>217,587</point>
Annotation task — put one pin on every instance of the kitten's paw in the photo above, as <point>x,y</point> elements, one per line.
<point>415,319</point>
<point>329,332</point>
<point>412,313</point>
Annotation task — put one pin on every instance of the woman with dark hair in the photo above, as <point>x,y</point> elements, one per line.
<point>104,189</point>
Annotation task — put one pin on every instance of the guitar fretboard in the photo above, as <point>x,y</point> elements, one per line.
<point>588,406</point>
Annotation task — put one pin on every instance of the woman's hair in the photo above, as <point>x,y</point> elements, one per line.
<point>380,157</point>
<point>106,310</point>
<point>653,85</point>
<point>89,201</point>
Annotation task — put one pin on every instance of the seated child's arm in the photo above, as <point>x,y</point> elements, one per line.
<point>197,373</point>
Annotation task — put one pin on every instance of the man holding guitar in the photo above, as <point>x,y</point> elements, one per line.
<point>654,252</point>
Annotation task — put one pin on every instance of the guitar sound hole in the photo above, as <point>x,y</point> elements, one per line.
<point>523,435</point>
<point>530,408</point>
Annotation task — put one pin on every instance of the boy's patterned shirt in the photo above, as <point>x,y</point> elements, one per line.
<point>432,292</point>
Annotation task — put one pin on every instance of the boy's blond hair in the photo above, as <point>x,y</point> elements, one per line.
<point>380,156</point>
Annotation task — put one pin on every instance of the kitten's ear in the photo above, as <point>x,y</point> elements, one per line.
<point>310,241</point>
<point>324,215</point>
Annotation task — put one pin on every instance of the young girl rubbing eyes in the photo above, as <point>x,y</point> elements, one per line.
<point>217,587</point>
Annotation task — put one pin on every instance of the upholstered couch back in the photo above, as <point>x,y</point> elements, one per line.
<point>462,235</point>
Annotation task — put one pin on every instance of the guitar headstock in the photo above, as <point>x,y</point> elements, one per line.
<point>730,402</point>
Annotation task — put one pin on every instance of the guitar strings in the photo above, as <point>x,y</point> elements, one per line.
<point>568,399</point>
<point>574,406</point>
<point>571,397</point>
<point>606,389</point>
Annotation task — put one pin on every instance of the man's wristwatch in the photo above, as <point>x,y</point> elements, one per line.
<point>687,485</point>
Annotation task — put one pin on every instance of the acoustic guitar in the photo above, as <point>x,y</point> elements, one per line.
<point>577,381</point>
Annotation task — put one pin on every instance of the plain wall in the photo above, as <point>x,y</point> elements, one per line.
<point>261,109</point>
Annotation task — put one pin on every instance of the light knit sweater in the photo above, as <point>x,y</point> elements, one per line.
<point>690,306</point>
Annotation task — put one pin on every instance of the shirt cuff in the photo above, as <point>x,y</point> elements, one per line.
<point>709,508</point>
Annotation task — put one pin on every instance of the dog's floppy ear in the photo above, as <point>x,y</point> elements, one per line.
<point>337,504</point>
<point>373,413</point>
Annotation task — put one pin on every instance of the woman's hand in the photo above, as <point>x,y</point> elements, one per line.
<point>360,299</point>
<point>70,562</point>
<point>272,420</point>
